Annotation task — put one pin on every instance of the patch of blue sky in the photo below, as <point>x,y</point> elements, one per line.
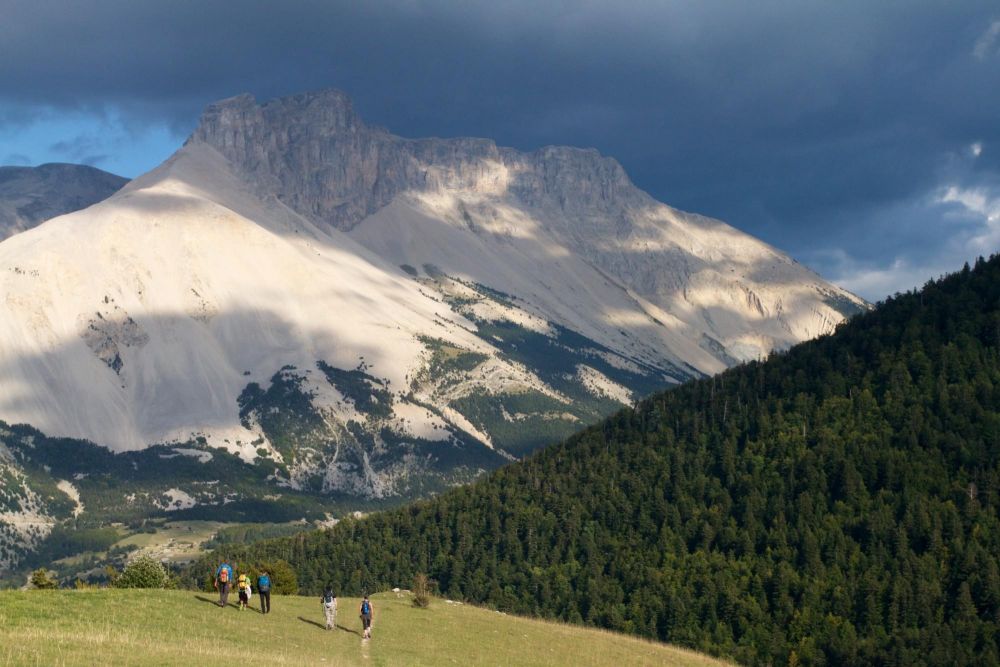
<point>101,139</point>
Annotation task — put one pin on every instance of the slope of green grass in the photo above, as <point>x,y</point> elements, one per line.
<point>136,627</point>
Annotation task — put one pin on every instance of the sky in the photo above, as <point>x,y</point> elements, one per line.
<point>863,138</point>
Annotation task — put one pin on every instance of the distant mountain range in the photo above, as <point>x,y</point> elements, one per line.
<point>359,315</point>
<point>32,195</point>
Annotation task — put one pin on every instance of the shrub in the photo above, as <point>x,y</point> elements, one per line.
<point>421,591</point>
<point>143,572</point>
<point>284,581</point>
<point>41,579</point>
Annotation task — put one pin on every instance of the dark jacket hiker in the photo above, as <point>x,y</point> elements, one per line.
<point>367,614</point>
<point>264,590</point>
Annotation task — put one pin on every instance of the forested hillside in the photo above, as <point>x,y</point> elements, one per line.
<point>837,504</point>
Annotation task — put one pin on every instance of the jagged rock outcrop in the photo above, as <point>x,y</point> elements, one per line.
<point>314,153</point>
<point>31,195</point>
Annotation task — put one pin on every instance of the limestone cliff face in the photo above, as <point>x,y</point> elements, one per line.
<point>314,153</point>
<point>31,195</point>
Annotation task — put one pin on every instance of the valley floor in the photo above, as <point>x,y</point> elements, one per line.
<point>134,627</point>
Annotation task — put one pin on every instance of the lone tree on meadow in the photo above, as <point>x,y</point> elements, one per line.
<point>421,591</point>
<point>42,580</point>
<point>143,572</point>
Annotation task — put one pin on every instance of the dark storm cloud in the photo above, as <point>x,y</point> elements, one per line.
<point>811,124</point>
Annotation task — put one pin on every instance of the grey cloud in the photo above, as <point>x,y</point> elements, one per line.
<point>986,45</point>
<point>80,149</point>
<point>907,243</point>
<point>64,146</point>
<point>16,159</point>
<point>93,160</point>
<point>807,123</point>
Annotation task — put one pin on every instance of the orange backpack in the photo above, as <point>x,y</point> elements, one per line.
<point>224,575</point>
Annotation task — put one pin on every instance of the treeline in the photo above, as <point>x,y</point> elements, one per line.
<point>837,504</point>
<point>252,532</point>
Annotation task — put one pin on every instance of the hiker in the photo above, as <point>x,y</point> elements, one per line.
<point>243,586</point>
<point>222,578</point>
<point>329,601</point>
<point>264,590</point>
<point>367,613</point>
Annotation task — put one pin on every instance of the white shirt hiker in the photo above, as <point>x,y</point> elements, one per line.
<point>330,610</point>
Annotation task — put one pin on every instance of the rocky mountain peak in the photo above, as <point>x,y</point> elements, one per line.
<point>314,153</point>
<point>227,123</point>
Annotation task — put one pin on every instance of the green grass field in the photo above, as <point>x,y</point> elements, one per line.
<point>129,627</point>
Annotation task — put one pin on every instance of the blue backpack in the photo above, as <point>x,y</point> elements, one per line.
<point>365,608</point>
<point>264,583</point>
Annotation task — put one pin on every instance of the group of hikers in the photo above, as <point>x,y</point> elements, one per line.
<point>244,587</point>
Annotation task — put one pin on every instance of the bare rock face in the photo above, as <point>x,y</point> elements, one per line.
<point>31,195</point>
<point>315,154</point>
<point>310,151</point>
<point>109,330</point>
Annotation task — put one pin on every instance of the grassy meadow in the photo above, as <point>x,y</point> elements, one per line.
<point>175,541</point>
<point>135,627</point>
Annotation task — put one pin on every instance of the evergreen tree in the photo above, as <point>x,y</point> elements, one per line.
<point>43,580</point>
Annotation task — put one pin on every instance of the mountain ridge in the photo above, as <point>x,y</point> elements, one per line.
<point>366,314</point>
<point>351,172</point>
<point>244,131</point>
<point>31,195</point>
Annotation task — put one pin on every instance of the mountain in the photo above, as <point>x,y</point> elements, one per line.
<point>837,504</point>
<point>563,229</point>
<point>31,195</point>
<point>356,315</point>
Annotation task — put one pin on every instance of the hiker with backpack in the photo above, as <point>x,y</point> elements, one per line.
<point>243,586</point>
<point>223,576</point>
<point>264,590</point>
<point>329,602</point>
<point>367,614</point>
